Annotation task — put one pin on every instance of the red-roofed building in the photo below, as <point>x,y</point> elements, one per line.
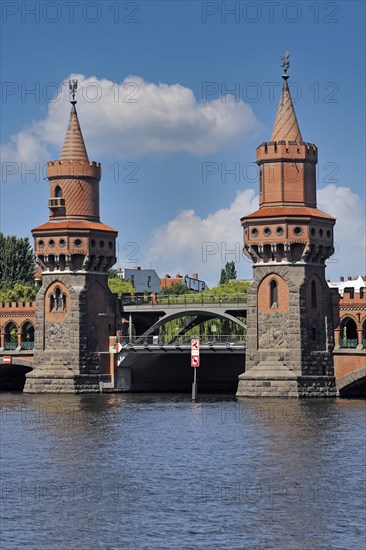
<point>192,283</point>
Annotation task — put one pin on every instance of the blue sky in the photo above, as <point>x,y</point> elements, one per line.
<point>178,61</point>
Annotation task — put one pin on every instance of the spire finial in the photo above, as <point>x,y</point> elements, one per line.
<point>286,127</point>
<point>74,146</point>
<point>285,63</point>
<point>73,85</point>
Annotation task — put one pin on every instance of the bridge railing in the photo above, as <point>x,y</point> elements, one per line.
<point>211,339</point>
<point>27,345</point>
<point>349,343</point>
<point>24,346</point>
<point>10,346</point>
<point>154,299</point>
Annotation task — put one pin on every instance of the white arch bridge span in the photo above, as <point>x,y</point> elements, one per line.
<point>148,315</point>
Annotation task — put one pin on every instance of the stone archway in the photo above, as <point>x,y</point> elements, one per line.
<point>353,384</point>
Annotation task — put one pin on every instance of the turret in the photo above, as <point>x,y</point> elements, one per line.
<point>74,238</point>
<point>288,227</point>
<point>289,306</point>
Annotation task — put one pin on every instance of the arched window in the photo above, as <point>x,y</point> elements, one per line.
<point>260,181</point>
<point>348,333</point>
<point>58,192</point>
<point>273,290</point>
<point>10,336</point>
<point>27,340</point>
<point>28,332</point>
<point>58,298</point>
<point>313,295</point>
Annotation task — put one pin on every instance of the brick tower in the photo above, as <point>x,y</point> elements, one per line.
<point>75,311</point>
<point>289,317</point>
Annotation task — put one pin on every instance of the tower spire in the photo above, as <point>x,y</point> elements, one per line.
<point>286,127</point>
<point>74,146</point>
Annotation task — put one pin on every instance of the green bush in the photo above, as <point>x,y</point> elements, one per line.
<point>119,286</point>
<point>19,292</point>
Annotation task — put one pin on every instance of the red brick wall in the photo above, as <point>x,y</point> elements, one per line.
<point>264,295</point>
<point>347,363</point>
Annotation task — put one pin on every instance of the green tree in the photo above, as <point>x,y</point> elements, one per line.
<point>120,286</point>
<point>228,273</point>
<point>19,292</point>
<point>223,277</point>
<point>16,261</point>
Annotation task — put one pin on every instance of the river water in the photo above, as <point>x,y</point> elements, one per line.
<point>153,471</point>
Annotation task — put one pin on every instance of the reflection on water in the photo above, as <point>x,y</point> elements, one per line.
<point>160,472</point>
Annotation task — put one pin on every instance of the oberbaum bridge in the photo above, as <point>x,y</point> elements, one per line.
<point>77,337</point>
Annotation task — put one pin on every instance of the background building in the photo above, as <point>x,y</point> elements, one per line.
<point>192,283</point>
<point>143,280</point>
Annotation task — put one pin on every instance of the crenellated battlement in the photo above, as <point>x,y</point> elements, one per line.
<point>11,306</point>
<point>73,168</point>
<point>287,150</point>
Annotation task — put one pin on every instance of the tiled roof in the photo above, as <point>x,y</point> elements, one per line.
<point>272,212</point>
<point>77,225</point>
<point>286,126</point>
<point>74,146</point>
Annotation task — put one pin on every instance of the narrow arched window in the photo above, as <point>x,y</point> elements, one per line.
<point>52,302</point>
<point>58,295</point>
<point>58,192</point>
<point>313,294</point>
<point>260,181</point>
<point>273,289</point>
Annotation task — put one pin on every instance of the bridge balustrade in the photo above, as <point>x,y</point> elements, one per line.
<point>27,345</point>
<point>10,346</point>
<point>349,343</point>
<point>182,299</point>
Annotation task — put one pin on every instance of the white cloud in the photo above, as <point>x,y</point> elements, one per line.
<point>189,243</point>
<point>349,233</point>
<point>179,245</point>
<point>135,118</point>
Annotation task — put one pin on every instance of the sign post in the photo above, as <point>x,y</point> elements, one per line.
<point>195,362</point>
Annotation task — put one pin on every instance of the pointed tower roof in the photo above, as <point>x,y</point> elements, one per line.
<point>286,127</point>
<point>74,146</point>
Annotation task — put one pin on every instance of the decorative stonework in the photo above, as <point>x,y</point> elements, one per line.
<point>57,335</point>
<point>273,329</point>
